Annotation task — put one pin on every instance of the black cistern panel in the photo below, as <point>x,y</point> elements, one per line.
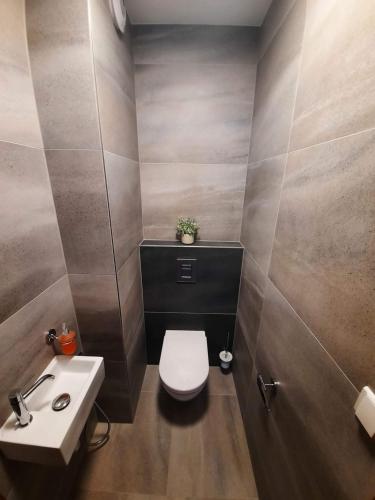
<point>191,288</point>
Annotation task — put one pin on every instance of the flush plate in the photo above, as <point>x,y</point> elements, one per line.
<point>186,270</point>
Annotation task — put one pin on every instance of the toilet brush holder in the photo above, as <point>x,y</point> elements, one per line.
<point>225,360</point>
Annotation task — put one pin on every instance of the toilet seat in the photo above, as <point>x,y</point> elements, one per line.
<point>184,364</point>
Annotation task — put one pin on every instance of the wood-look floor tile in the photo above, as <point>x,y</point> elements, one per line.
<point>151,382</point>
<point>209,458</point>
<point>135,460</point>
<point>106,495</point>
<point>174,450</point>
<point>96,495</point>
<point>219,383</point>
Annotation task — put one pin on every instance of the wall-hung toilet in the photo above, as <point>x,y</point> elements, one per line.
<point>184,363</point>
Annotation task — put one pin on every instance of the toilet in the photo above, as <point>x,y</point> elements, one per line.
<point>184,366</point>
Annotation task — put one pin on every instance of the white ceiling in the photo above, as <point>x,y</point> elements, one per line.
<point>215,12</point>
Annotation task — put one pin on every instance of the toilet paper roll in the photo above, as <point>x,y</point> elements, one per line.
<point>365,410</point>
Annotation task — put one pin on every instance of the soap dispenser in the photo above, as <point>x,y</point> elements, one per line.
<point>68,341</point>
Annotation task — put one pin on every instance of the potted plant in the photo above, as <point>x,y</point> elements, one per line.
<point>187,229</point>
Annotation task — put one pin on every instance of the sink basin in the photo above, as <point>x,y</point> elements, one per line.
<point>52,436</point>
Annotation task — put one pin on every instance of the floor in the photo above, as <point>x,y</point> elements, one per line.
<point>174,450</point>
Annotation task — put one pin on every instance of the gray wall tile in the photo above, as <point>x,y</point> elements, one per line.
<point>323,254</point>
<point>18,114</point>
<point>211,193</point>
<point>261,205</point>
<point>79,189</point>
<point>114,74</point>
<point>253,283</point>
<point>304,448</point>
<point>172,44</point>
<point>5,480</point>
<point>114,395</point>
<point>194,113</point>
<point>336,93</point>
<point>112,49</point>
<point>137,364</point>
<point>24,353</point>
<point>98,314</point>
<point>31,252</point>
<point>131,298</point>
<point>118,118</point>
<point>273,21</point>
<point>124,195</point>
<point>194,94</point>
<point>61,63</point>
<point>275,88</point>
<point>242,366</point>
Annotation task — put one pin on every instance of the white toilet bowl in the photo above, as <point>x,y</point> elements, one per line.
<point>184,363</point>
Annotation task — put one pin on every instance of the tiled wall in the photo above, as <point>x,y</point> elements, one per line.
<point>114,74</point>
<point>84,84</point>
<point>34,289</point>
<point>306,314</point>
<point>194,92</point>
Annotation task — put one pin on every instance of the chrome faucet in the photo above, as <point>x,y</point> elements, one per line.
<point>17,401</point>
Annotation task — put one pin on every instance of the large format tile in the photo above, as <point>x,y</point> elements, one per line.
<point>5,480</point>
<point>219,383</point>
<point>124,196</point>
<point>135,459</point>
<point>261,205</point>
<point>253,283</point>
<point>112,49</point>
<point>98,313</point>
<point>184,44</point>
<point>31,251</point>
<point>136,358</point>
<point>311,444</point>
<point>242,365</point>
<point>79,189</point>
<point>114,395</point>
<point>24,353</point>
<point>61,63</point>
<point>336,95</point>
<point>18,116</point>
<point>118,120</point>
<point>324,246</point>
<point>195,449</point>
<point>105,495</point>
<point>189,113</point>
<point>276,86</point>
<point>213,194</point>
<point>131,297</point>
<point>212,449</point>
<point>273,21</point>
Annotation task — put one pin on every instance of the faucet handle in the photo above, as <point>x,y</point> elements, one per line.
<point>19,407</point>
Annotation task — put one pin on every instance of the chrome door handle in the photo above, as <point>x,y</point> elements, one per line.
<point>265,388</point>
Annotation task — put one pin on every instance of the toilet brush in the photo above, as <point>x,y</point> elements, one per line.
<point>225,356</point>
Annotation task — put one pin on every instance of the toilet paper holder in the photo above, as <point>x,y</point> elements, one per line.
<point>265,388</point>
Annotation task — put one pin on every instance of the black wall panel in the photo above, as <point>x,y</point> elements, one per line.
<point>205,301</point>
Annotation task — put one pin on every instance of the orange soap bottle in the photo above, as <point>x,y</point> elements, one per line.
<point>68,341</point>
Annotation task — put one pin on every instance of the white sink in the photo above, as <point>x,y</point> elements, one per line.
<point>52,436</point>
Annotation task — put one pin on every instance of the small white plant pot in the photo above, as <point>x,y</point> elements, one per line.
<point>187,239</point>
<point>225,359</point>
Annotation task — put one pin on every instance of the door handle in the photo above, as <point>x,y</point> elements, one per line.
<point>264,388</point>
